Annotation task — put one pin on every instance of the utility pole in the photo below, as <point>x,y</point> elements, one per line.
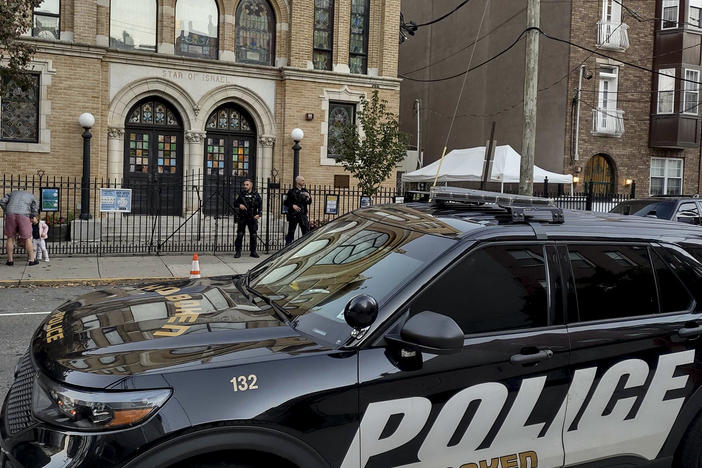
<point>531,81</point>
<point>420,162</point>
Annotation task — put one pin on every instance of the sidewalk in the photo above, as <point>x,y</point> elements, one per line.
<point>76,270</point>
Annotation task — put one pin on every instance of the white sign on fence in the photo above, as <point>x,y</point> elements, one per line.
<point>119,200</point>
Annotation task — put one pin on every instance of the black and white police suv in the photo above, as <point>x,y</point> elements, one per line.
<point>479,331</point>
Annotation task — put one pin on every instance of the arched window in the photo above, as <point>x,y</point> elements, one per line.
<point>600,173</point>
<point>323,34</point>
<point>133,24</point>
<point>197,28</point>
<point>358,40</point>
<point>255,32</point>
<point>45,20</point>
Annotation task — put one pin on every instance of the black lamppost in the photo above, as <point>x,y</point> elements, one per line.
<point>297,134</point>
<point>86,121</point>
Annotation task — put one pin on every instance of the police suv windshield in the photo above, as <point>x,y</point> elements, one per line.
<point>314,280</point>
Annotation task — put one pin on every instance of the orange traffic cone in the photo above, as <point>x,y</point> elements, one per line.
<point>195,269</point>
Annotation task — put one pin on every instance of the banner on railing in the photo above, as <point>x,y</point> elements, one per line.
<point>115,200</point>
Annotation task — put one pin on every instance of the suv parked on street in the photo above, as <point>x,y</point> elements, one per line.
<point>480,330</point>
<point>681,209</point>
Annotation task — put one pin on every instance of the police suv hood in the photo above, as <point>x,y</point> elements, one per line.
<point>102,337</point>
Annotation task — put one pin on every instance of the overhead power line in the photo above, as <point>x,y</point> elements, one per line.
<point>442,17</point>
<point>553,38</point>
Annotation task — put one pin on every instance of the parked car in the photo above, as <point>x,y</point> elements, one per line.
<point>480,330</point>
<point>681,209</point>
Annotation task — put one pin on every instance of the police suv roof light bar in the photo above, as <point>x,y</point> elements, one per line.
<point>522,208</point>
<point>463,195</point>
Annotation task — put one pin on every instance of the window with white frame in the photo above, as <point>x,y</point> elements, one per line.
<point>670,14</point>
<point>607,98</point>
<point>691,94</point>
<point>666,91</point>
<point>611,11</point>
<point>695,14</point>
<point>666,176</point>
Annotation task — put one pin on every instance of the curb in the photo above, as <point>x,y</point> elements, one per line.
<point>85,282</point>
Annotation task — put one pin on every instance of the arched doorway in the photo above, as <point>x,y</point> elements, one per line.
<point>153,157</point>
<point>230,156</point>
<point>599,172</point>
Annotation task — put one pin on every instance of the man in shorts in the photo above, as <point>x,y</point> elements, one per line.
<point>19,207</point>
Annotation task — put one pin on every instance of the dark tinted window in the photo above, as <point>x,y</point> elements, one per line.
<point>672,294</point>
<point>660,209</point>
<point>687,266</point>
<point>494,288</point>
<point>613,281</point>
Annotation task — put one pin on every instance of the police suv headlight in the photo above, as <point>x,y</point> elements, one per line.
<point>93,411</point>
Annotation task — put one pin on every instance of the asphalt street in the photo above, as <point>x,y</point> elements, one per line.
<point>21,310</point>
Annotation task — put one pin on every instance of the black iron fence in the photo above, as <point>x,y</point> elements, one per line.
<point>197,214</point>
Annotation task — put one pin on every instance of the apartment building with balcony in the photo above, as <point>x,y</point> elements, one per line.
<point>625,111</point>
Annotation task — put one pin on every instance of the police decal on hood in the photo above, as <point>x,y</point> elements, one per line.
<point>591,432</point>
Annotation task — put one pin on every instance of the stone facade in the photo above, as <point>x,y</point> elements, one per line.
<point>630,153</point>
<point>81,73</point>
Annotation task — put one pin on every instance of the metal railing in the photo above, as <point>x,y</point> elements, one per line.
<point>612,35</point>
<point>195,214</point>
<point>198,214</point>
<point>608,122</point>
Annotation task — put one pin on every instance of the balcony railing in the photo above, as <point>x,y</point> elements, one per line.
<point>608,122</point>
<point>612,36</point>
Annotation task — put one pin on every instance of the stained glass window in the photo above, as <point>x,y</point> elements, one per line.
<point>133,24</point>
<point>240,157</point>
<point>323,34</point>
<point>167,155</point>
<point>228,118</point>
<point>358,40</point>
<point>45,21</point>
<point>138,152</point>
<point>197,28</point>
<point>153,112</point>
<point>340,114</point>
<point>255,32</point>
<point>214,156</point>
<point>19,112</point>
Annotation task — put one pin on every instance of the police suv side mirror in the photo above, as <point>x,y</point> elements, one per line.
<point>360,312</point>
<point>429,332</point>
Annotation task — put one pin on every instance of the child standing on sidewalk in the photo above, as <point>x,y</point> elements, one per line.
<point>40,231</point>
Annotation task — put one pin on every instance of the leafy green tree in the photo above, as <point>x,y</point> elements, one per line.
<point>370,153</point>
<point>15,54</point>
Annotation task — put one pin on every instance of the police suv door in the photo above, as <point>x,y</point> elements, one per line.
<point>497,403</point>
<point>631,326</point>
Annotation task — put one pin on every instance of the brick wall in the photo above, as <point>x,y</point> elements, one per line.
<point>630,153</point>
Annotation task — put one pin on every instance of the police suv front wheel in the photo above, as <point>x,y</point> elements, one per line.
<point>689,454</point>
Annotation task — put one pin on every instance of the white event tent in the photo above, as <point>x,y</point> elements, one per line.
<point>466,165</point>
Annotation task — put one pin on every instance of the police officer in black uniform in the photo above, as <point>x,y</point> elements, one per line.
<point>250,205</point>
<point>297,201</point>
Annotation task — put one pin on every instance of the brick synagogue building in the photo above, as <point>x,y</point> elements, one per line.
<point>211,86</point>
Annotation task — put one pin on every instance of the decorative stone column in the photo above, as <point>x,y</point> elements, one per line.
<point>193,168</point>
<point>264,157</point>
<point>115,154</point>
